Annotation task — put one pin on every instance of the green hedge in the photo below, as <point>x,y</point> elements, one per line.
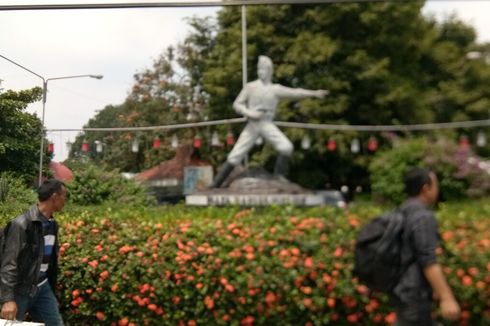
<point>15,196</point>
<point>274,266</point>
<point>458,177</point>
<point>94,185</point>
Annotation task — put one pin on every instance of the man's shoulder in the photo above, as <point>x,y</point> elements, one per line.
<point>412,205</point>
<point>25,218</point>
<point>415,211</point>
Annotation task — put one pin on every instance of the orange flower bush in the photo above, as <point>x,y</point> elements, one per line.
<point>275,266</point>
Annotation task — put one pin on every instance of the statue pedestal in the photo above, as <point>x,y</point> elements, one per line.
<point>256,187</point>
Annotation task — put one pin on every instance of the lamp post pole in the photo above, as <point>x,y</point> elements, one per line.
<point>45,94</point>
<point>244,46</point>
<point>45,97</point>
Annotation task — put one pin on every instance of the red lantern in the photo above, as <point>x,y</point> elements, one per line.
<point>50,148</point>
<point>331,145</point>
<point>85,147</point>
<point>156,143</point>
<point>372,144</point>
<point>464,143</point>
<point>230,139</point>
<point>197,142</point>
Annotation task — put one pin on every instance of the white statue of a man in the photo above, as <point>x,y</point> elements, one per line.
<point>258,102</point>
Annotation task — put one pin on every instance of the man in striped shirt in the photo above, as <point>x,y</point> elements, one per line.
<point>29,262</point>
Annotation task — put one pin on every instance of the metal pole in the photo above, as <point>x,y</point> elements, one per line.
<point>244,57</point>
<point>45,93</point>
<point>244,46</point>
<point>45,97</point>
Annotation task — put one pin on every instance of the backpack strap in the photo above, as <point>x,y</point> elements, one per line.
<point>406,243</point>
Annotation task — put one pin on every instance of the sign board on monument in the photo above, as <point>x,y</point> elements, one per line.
<point>197,178</point>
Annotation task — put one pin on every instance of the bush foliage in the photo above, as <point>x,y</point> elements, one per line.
<point>92,185</point>
<point>274,266</point>
<point>460,175</point>
<point>15,196</point>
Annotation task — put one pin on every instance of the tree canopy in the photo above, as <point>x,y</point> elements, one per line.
<point>20,133</point>
<point>165,94</point>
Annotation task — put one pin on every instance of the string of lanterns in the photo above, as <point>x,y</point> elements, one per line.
<point>331,144</point>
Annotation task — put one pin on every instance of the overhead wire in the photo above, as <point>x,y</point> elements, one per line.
<point>300,125</point>
<point>167,4</point>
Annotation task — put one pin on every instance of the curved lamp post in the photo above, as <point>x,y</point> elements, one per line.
<point>45,94</point>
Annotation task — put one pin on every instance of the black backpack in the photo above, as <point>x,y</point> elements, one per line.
<point>378,252</point>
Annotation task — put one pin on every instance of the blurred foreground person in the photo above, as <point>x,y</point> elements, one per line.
<point>424,280</point>
<point>29,260</point>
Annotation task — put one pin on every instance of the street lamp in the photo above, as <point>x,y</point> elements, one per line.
<point>45,94</point>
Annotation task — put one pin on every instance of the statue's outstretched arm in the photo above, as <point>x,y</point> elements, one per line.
<point>299,93</point>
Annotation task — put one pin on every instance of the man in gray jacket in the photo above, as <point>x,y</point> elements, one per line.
<point>257,102</point>
<point>424,279</point>
<point>29,261</point>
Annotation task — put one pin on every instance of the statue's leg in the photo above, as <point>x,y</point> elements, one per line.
<point>223,173</point>
<point>281,144</point>
<point>281,168</point>
<point>243,145</point>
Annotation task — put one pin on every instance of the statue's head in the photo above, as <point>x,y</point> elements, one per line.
<point>264,68</point>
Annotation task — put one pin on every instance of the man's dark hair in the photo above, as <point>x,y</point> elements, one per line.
<point>415,179</point>
<point>48,188</point>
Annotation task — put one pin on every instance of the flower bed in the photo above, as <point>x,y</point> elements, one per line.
<point>181,266</point>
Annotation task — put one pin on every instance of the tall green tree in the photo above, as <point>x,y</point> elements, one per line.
<point>20,133</point>
<point>366,54</point>
<point>458,80</point>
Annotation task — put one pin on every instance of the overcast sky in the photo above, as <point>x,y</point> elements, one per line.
<point>115,43</point>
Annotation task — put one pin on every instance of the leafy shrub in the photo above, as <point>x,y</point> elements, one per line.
<point>15,196</point>
<point>274,266</point>
<point>459,172</point>
<point>92,185</point>
<point>13,189</point>
<point>445,160</point>
<point>388,168</point>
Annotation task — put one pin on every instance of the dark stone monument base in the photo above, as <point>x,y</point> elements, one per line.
<point>255,187</point>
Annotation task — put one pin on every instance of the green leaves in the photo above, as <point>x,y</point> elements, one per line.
<point>388,168</point>
<point>310,49</point>
<point>20,133</point>
<point>457,177</point>
<point>92,185</point>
